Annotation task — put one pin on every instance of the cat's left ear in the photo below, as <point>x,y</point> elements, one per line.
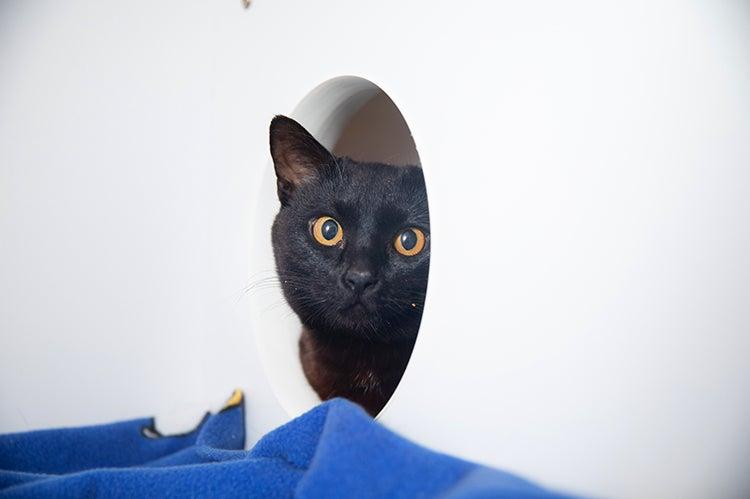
<point>297,156</point>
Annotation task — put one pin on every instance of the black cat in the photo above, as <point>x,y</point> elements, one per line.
<point>352,249</point>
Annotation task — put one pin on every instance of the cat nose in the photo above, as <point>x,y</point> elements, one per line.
<point>359,280</point>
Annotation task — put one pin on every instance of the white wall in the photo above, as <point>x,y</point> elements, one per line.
<point>127,192</point>
<point>604,145</point>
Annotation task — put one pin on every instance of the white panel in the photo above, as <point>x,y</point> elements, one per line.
<point>592,333</point>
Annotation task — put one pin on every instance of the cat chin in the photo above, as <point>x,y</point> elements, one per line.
<point>354,325</point>
<point>366,330</point>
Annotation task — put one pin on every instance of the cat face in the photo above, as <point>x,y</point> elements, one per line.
<point>351,240</point>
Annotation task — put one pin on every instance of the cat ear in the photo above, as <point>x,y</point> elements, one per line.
<point>297,156</point>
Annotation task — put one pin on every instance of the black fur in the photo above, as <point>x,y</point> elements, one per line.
<point>372,202</point>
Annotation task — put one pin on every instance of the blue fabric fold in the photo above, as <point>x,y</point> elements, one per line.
<point>335,450</point>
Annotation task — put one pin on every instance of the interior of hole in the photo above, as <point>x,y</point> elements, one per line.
<point>351,117</point>
<point>377,132</point>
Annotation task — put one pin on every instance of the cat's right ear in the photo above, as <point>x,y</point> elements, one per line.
<point>297,156</point>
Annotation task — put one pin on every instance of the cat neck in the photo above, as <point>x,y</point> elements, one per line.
<point>364,371</point>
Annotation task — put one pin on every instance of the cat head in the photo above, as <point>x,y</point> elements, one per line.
<point>351,240</point>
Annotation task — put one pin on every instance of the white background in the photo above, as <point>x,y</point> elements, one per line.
<point>587,321</point>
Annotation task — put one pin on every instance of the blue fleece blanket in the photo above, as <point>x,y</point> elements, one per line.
<point>335,450</point>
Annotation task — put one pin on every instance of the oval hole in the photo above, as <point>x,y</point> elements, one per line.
<point>352,117</point>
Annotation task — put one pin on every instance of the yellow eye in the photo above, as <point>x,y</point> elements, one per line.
<point>327,231</point>
<point>409,242</point>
